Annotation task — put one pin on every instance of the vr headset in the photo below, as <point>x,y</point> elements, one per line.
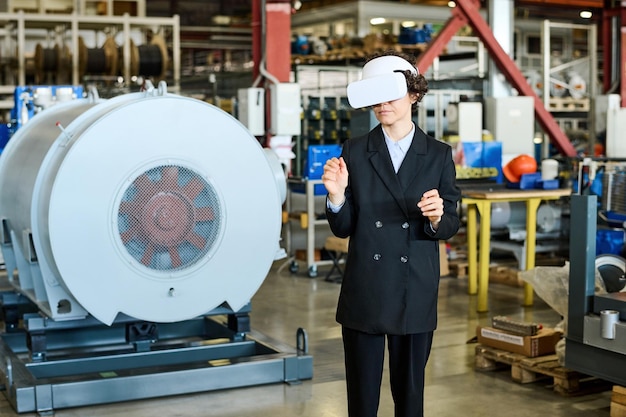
<point>382,81</point>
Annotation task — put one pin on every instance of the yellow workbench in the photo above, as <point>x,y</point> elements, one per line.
<point>480,200</point>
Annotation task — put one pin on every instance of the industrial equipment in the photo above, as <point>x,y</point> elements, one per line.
<point>31,100</point>
<point>465,119</point>
<point>596,328</point>
<point>508,228</point>
<point>126,221</point>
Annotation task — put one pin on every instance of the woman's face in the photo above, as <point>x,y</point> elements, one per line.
<point>391,112</point>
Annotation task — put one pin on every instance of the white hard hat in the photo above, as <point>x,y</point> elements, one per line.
<point>381,81</point>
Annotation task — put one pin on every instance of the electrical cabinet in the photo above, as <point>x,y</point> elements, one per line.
<point>286,109</point>
<point>252,109</point>
<point>511,120</point>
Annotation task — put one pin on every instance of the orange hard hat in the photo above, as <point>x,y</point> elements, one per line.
<point>522,164</point>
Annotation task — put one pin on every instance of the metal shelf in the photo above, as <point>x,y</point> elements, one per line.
<point>308,221</point>
<point>69,27</point>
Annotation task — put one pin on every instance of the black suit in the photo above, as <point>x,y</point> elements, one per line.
<point>391,277</point>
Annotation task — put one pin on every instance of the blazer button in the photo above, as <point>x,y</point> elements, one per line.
<point>405,225</point>
<point>377,256</point>
<point>404,259</point>
<point>378,224</point>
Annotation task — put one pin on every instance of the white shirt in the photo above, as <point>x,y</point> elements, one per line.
<point>398,149</point>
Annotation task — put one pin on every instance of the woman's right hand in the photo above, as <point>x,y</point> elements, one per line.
<point>335,179</point>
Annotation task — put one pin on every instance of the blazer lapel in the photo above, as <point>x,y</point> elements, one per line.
<point>381,162</point>
<point>413,161</point>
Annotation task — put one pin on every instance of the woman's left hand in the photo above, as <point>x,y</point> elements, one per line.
<point>431,206</point>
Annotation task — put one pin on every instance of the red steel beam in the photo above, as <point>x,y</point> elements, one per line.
<point>439,42</point>
<point>467,11</point>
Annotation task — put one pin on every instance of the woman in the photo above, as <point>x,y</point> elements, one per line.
<point>393,192</point>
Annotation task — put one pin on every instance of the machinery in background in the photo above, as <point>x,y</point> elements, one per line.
<point>606,180</point>
<point>508,228</point>
<point>614,193</point>
<point>596,329</point>
<point>31,100</point>
<point>126,223</point>
<point>115,53</point>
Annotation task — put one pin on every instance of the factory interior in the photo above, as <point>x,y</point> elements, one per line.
<point>164,243</point>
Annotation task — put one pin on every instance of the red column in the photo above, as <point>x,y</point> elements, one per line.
<point>257,34</point>
<point>278,39</point>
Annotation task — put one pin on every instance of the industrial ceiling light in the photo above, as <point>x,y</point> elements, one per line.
<point>297,4</point>
<point>586,14</point>
<point>408,24</point>
<point>377,21</point>
<point>451,4</point>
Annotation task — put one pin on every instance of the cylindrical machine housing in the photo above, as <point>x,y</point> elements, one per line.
<point>144,204</point>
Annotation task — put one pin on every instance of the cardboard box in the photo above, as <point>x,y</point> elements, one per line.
<point>543,343</point>
<point>301,254</point>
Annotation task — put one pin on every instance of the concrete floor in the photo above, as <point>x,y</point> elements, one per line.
<point>287,301</point>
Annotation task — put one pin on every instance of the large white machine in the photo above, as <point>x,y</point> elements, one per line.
<point>134,218</point>
<point>148,196</point>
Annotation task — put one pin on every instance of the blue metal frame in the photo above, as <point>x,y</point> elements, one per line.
<point>24,108</point>
<point>49,365</point>
<point>585,351</point>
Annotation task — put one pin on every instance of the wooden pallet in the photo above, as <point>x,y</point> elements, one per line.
<point>569,104</point>
<point>497,273</point>
<point>525,370</point>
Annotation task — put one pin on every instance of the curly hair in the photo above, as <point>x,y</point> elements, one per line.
<point>415,83</point>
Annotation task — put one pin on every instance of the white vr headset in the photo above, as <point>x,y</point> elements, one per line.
<point>381,82</point>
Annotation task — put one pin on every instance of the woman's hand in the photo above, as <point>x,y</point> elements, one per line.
<point>432,207</point>
<point>335,179</point>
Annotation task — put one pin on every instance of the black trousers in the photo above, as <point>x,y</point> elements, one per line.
<point>364,356</point>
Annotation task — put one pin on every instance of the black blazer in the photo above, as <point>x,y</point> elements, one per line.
<point>391,275</point>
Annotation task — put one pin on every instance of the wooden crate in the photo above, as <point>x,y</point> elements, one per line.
<point>525,370</point>
<point>458,268</point>
<point>618,401</point>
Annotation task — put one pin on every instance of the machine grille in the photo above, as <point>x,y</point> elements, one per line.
<point>169,218</point>
<point>614,190</point>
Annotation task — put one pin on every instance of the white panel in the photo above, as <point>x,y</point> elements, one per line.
<point>511,120</point>
<point>286,109</point>
<point>252,109</point>
<point>602,104</point>
<point>466,120</point>
<point>616,133</point>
